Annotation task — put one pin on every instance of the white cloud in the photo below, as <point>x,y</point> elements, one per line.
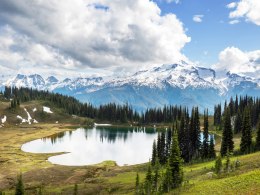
<point>175,1</point>
<point>231,5</point>
<point>20,53</point>
<point>236,61</point>
<point>100,34</point>
<point>197,18</point>
<point>248,9</point>
<point>233,21</point>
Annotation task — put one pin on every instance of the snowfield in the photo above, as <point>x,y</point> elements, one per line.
<point>4,119</point>
<point>47,110</point>
<point>29,119</point>
<point>28,115</point>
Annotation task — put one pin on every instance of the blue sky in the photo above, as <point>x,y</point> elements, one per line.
<point>104,37</point>
<point>214,33</point>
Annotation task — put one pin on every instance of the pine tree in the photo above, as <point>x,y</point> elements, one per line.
<point>181,133</point>
<point>246,139</point>
<point>205,144</point>
<point>148,181</point>
<point>227,143</point>
<point>154,153</point>
<point>159,147</point>
<point>238,123</point>
<point>227,163</point>
<point>163,149</point>
<point>75,190</point>
<point>258,137</point>
<point>195,133</point>
<point>218,165</point>
<point>168,142</point>
<point>167,179</point>
<point>137,184</point>
<point>175,162</point>
<point>156,176</point>
<point>19,189</point>
<point>212,153</point>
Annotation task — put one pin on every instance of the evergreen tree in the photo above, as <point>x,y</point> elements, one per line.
<point>181,133</point>
<point>148,181</point>
<point>231,107</point>
<point>205,144</point>
<point>167,179</point>
<point>175,162</point>
<point>75,190</point>
<point>218,165</point>
<point>212,153</point>
<point>217,115</point>
<point>238,123</point>
<point>168,142</point>
<point>246,139</point>
<point>227,143</point>
<point>236,104</point>
<point>156,176</point>
<point>227,163</point>
<point>137,184</point>
<point>159,147</point>
<point>154,153</point>
<point>163,149</point>
<point>19,189</point>
<point>195,133</point>
<point>258,137</point>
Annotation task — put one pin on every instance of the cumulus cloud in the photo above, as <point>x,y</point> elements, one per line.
<point>231,5</point>
<point>19,53</point>
<point>234,22</point>
<point>88,33</point>
<point>197,18</point>
<point>175,1</point>
<point>236,61</point>
<point>248,9</point>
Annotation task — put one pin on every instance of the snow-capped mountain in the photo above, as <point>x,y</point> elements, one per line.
<point>31,81</point>
<point>181,83</point>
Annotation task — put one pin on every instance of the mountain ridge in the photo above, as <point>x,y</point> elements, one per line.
<point>154,87</point>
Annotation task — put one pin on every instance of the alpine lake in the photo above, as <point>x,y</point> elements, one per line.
<point>88,146</point>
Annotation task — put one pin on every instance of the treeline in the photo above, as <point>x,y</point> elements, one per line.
<point>108,112</point>
<point>237,109</point>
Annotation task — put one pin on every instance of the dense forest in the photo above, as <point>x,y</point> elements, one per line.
<point>109,112</point>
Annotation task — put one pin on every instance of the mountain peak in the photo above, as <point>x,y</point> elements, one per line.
<point>52,80</point>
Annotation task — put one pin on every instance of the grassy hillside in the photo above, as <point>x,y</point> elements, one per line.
<point>58,115</point>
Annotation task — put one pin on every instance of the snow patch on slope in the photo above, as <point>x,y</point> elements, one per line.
<point>29,116</point>
<point>3,120</point>
<point>47,110</point>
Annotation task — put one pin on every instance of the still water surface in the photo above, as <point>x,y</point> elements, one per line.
<point>126,146</point>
